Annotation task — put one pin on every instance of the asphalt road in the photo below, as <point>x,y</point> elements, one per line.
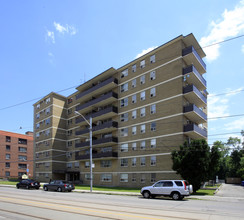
<point>38,204</point>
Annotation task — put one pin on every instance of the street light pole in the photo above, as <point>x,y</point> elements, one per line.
<point>91,164</point>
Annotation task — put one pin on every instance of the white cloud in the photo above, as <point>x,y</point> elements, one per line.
<point>144,52</point>
<point>50,36</point>
<point>217,106</point>
<point>65,29</point>
<point>230,25</point>
<point>236,125</point>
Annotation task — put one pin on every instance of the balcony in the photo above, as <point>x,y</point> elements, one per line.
<point>194,114</point>
<point>102,114</point>
<point>107,126</point>
<point>105,99</point>
<point>193,95</point>
<point>194,77</point>
<point>99,142</point>
<point>99,88</point>
<point>191,56</point>
<point>195,132</point>
<point>97,155</point>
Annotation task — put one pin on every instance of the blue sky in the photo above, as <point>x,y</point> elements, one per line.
<point>53,45</point>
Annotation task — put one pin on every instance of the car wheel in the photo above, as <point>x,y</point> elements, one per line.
<point>27,187</point>
<point>69,190</point>
<point>17,186</point>
<point>146,194</point>
<point>45,188</point>
<point>176,196</point>
<point>59,189</point>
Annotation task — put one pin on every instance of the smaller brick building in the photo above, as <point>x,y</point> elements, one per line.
<point>16,154</point>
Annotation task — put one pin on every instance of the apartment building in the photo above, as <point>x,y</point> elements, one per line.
<point>16,154</point>
<point>140,113</point>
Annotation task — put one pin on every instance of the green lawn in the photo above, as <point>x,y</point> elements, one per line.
<point>8,182</point>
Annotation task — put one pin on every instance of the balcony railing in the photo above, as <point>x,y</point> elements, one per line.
<point>191,88</point>
<point>97,100</point>
<point>98,142</point>
<point>96,87</point>
<point>198,76</point>
<point>194,108</point>
<point>195,131</point>
<point>111,109</point>
<point>96,155</point>
<point>109,124</point>
<point>192,50</point>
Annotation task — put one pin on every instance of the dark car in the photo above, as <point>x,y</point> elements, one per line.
<point>59,185</point>
<point>28,184</point>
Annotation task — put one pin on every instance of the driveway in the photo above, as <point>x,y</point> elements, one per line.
<point>231,190</point>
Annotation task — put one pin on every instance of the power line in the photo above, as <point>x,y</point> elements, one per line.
<point>76,85</point>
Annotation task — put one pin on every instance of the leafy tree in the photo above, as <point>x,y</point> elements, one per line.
<point>195,162</point>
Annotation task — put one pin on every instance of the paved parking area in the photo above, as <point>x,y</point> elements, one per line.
<point>231,190</point>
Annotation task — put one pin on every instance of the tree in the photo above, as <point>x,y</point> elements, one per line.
<point>195,162</point>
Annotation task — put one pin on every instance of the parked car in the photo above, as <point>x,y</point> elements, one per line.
<point>59,185</point>
<point>176,189</point>
<point>28,184</point>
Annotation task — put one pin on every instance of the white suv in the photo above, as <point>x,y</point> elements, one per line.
<point>177,189</point>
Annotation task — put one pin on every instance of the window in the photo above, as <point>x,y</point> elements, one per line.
<point>133,83</point>
<point>134,130</point>
<point>153,109</point>
<point>124,117</point>
<point>70,122</point>
<point>143,178</point>
<point>153,126</point>
<point>134,98</point>
<point>69,144</point>
<point>153,75</point>
<point>124,87</point>
<point>77,164</point>
<point>134,68</point>
<point>153,92</point>
<point>124,147</point>
<point>124,132</point>
<point>37,155</point>
<point>124,102</point>
<point>143,161</point>
<point>8,147</point>
<point>7,173</point>
<point>153,177</point>
<point>143,145</point>
<point>133,178</point>
<point>8,139</point>
<point>143,129</point>
<point>69,165</point>
<point>38,106</point>
<point>37,125</point>
<point>106,163</point>
<point>47,110</point>
<point>68,154</point>
<point>153,143</point>
<point>69,111</point>
<point>47,164</point>
<point>7,165</point>
<point>48,100</point>
<point>152,59</point>
<point>143,112</point>
<point>124,162</point>
<point>106,149</point>
<point>47,121</point>
<point>142,64</point>
<point>70,100</point>
<point>22,158</point>
<point>142,79</point>
<point>37,115</point>
<point>134,146</point>
<point>22,141</point>
<point>7,156</point>
<point>124,73</point>
<point>22,166</point>
<point>124,177</point>
<point>47,132</point>
<point>134,114</point>
<point>69,132</point>
<point>87,164</point>
<point>87,176</point>
<point>106,177</point>
<point>143,95</point>
<point>133,162</point>
<point>153,161</point>
<point>47,153</point>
